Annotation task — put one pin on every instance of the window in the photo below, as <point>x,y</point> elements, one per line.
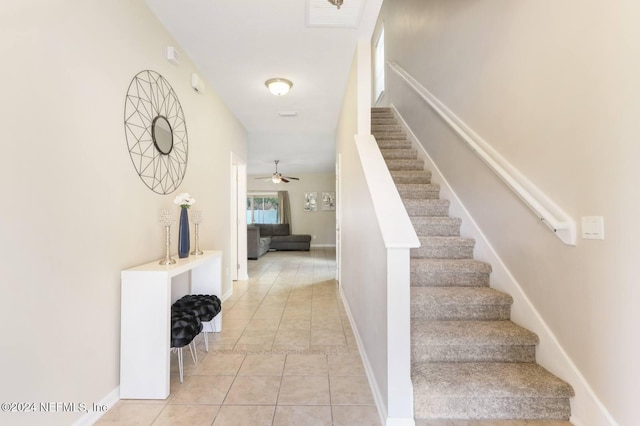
<point>378,79</point>
<point>262,208</point>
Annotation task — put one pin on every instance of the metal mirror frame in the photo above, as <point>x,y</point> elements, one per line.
<point>149,97</point>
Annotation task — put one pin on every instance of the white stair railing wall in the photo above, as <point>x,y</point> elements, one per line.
<point>376,238</point>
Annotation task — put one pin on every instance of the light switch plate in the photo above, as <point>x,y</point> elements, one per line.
<point>593,227</point>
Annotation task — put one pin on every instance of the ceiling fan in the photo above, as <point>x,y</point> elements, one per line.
<point>278,177</point>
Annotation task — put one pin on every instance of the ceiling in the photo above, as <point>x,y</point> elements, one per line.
<point>239,44</point>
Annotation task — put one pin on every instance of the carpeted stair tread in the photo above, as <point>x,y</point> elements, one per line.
<point>536,410</point>
<point>403,164</point>
<point>489,379</point>
<point>436,225</point>
<point>389,136</point>
<point>410,176</point>
<point>492,422</point>
<point>447,241</point>
<point>384,128</point>
<point>381,119</point>
<point>450,265</point>
<point>426,207</point>
<point>460,296</point>
<point>391,144</point>
<point>449,272</point>
<point>460,303</point>
<point>430,186</point>
<point>471,341</point>
<point>444,248</point>
<point>471,333</point>
<point>489,391</point>
<point>418,190</point>
<point>378,121</point>
<point>399,154</point>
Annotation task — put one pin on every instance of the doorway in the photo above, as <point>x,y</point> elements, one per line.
<point>238,225</point>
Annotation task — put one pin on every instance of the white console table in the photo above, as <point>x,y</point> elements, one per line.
<point>145,330</point>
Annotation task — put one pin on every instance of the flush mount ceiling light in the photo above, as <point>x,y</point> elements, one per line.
<point>278,86</point>
<point>336,3</point>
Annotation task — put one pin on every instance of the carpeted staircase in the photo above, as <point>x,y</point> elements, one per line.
<point>469,361</point>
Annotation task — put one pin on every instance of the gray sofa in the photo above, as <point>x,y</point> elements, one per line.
<point>264,237</point>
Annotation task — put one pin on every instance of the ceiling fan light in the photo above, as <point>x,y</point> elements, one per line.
<point>276,179</point>
<point>279,86</point>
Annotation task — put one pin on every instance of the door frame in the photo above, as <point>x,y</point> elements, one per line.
<point>238,222</point>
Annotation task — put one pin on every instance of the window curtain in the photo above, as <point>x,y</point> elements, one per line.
<point>285,209</point>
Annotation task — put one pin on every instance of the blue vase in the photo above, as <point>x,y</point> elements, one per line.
<point>183,234</point>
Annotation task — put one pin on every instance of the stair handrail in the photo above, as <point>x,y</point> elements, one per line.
<point>395,224</point>
<point>563,226</point>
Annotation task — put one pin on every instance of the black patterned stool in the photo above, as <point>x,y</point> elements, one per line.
<point>207,307</point>
<point>185,326</point>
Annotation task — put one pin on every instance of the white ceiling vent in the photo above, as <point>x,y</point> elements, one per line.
<point>321,13</point>
<point>288,113</point>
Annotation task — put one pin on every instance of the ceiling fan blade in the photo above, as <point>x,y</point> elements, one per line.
<point>277,177</point>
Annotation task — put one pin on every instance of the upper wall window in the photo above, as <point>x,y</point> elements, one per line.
<point>378,79</point>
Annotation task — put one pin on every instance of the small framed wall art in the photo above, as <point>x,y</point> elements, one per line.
<point>328,201</point>
<point>311,202</point>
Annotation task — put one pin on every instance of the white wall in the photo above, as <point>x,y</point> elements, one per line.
<point>553,87</point>
<point>74,211</point>
<point>321,223</point>
<point>363,253</point>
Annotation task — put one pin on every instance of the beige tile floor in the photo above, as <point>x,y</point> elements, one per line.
<point>286,356</point>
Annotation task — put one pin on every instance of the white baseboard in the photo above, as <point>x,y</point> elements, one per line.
<point>227,295</point>
<point>322,245</point>
<point>375,389</point>
<point>549,352</point>
<point>93,416</point>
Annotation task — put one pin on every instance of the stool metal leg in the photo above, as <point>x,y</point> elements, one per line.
<point>209,324</point>
<point>212,328</point>
<point>180,366</point>
<point>194,351</point>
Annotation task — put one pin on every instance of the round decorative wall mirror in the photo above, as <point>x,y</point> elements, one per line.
<point>162,135</point>
<point>156,132</point>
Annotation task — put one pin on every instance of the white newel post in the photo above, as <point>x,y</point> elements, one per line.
<point>400,388</point>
